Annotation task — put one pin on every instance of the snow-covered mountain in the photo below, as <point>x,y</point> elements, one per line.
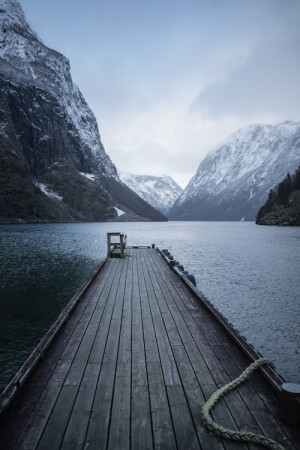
<point>234,179</point>
<point>159,191</point>
<point>26,60</point>
<point>50,137</point>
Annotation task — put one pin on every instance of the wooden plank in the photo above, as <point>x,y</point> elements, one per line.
<point>195,399</point>
<point>141,424</point>
<point>186,435</point>
<point>162,426</point>
<point>98,430</point>
<point>31,433</point>
<point>151,348</point>
<point>119,433</point>
<point>141,429</point>
<point>76,429</point>
<point>166,356</point>
<point>58,420</point>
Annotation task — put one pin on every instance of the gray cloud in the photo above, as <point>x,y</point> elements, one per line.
<point>266,83</point>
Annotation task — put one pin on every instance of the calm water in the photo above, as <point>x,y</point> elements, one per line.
<point>251,273</point>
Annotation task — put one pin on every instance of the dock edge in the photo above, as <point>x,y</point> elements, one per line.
<point>9,392</point>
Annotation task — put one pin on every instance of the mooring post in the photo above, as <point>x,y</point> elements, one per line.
<point>172,264</point>
<point>290,403</point>
<point>153,245</point>
<point>108,246</point>
<point>121,245</point>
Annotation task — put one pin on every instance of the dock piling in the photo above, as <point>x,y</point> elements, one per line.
<point>290,404</point>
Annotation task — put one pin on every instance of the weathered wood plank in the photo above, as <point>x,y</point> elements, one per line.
<point>119,432</point>
<point>166,356</point>
<point>162,426</point>
<point>141,429</point>
<point>75,433</point>
<point>141,424</point>
<point>98,429</point>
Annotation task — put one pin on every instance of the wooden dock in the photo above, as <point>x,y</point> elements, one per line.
<point>129,366</point>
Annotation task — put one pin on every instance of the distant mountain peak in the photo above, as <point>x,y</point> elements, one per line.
<point>13,10</point>
<point>15,30</point>
<point>159,191</point>
<point>234,179</point>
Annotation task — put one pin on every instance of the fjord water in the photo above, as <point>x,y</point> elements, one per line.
<point>249,272</point>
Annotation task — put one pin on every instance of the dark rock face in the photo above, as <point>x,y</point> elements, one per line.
<point>37,146</point>
<point>53,166</point>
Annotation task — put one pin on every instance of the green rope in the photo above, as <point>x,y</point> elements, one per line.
<point>231,434</point>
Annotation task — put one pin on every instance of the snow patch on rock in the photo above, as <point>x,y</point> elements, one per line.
<point>119,211</point>
<point>47,191</point>
<point>89,176</point>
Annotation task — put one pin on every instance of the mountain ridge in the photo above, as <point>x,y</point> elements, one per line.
<point>233,181</point>
<point>159,191</point>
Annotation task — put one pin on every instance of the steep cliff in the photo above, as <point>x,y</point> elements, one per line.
<point>53,166</point>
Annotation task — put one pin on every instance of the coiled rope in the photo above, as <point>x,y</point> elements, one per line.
<point>232,434</point>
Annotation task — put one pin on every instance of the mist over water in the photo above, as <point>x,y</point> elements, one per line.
<point>251,274</point>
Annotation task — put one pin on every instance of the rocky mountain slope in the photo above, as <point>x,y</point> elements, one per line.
<point>234,179</point>
<point>160,192</point>
<point>53,166</point>
<point>283,204</point>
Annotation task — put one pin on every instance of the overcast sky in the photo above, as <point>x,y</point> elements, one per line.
<point>170,79</point>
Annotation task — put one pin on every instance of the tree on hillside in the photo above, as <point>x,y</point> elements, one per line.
<point>279,195</point>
